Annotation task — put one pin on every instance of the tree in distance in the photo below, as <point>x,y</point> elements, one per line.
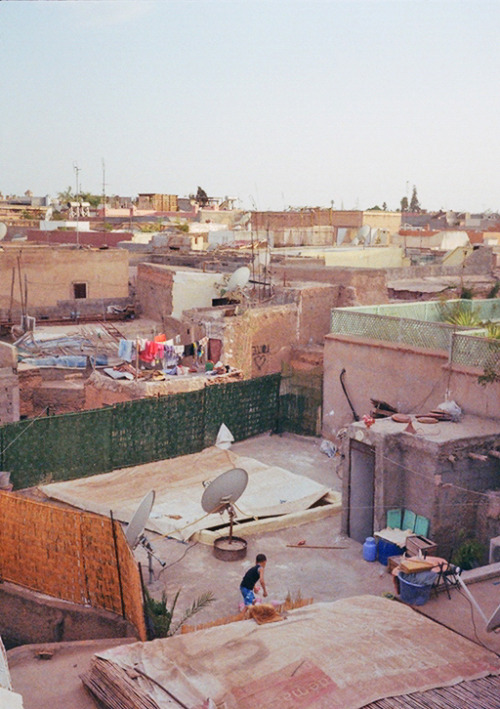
<point>414,203</point>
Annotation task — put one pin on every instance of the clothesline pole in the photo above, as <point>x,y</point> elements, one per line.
<point>137,358</point>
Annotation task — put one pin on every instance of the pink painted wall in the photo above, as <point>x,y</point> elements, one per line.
<point>85,238</point>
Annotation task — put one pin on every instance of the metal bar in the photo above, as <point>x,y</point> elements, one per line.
<point>117,556</point>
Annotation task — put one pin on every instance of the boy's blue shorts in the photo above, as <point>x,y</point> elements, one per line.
<point>248,596</point>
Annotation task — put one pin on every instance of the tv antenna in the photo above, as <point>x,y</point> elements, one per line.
<point>220,496</point>
<point>77,199</point>
<point>134,533</point>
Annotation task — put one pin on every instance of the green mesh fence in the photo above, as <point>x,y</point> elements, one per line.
<point>57,447</point>
<point>414,324</point>
<point>471,351</point>
<point>416,333</point>
<point>301,399</point>
<point>245,408</point>
<point>156,428</point>
<point>89,442</point>
<point>431,310</point>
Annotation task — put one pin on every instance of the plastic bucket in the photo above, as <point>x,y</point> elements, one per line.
<point>412,593</point>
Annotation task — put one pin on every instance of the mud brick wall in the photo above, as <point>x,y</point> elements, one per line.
<point>154,288</point>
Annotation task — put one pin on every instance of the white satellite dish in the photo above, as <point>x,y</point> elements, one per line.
<point>373,235</point>
<point>224,490</point>
<point>494,621</point>
<point>136,525</point>
<point>238,279</point>
<point>220,496</point>
<point>363,234</point>
<point>134,534</point>
<point>3,230</point>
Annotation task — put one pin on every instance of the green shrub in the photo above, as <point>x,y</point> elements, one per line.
<point>161,616</point>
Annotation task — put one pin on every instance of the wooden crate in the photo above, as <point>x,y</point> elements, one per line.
<point>416,543</point>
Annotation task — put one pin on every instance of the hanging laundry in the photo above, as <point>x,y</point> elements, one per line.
<point>171,356</point>
<point>149,352</point>
<point>125,350</point>
<point>160,338</point>
<point>189,350</point>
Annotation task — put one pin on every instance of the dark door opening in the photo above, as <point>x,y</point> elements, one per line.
<point>79,290</point>
<point>361,491</point>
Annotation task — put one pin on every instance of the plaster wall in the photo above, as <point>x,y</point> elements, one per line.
<point>83,238</point>
<point>9,396</point>
<point>371,257</point>
<point>48,225</point>
<point>411,379</point>
<point>9,384</point>
<point>298,236</point>
<point>370,285</point>
<point>27,617</point>
<point>154,284</point>
<point>314,313</point>
<point>101,391</point>
<point>432,475</point>
<point>388,221</point>
<point>49,273</point>
<point>165,291</point>
<point>194,289</point>
<point>260,339</point>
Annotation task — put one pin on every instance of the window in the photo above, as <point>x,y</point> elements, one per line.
<point>79,290</point>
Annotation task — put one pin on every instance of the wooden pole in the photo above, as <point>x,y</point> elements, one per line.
<point>12,292</point>
<point>117,556</point>
<point>310,546</point>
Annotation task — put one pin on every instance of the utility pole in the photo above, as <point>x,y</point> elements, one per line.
<point>103,188</point>
<point>77,171</point>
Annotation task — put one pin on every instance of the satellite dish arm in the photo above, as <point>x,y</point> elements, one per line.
<point>356,417</point>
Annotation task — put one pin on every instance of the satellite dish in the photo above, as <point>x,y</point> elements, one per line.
<point>373,235</point>
<point>219,496</point>
<point>224,490</point>
<point>136,525</point>
<point>363,234</point>
<point>3,230</point>
<point>238,279</point>
<point>494,622</point>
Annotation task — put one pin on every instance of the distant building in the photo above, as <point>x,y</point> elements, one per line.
<point>158,202</point>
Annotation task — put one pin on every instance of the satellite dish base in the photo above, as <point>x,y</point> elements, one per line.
<point>230,548</point>
<point>144,542</point>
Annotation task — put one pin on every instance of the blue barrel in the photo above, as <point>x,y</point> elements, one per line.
<point>387,549</point>
<point>370,549</point>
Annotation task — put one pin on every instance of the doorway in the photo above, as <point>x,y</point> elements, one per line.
<point>361,491</point>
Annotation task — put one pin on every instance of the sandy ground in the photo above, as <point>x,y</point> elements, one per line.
<point>323,574</point>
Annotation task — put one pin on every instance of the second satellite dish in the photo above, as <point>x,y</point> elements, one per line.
<point>3,230</point>
<point>224,490</point>
<point>238,279</point>
<point>219,496</point>
<point>139,519</point>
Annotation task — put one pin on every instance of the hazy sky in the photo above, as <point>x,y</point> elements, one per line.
<point>275,102</point>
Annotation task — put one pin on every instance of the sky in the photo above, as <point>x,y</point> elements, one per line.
<point>276,103</point>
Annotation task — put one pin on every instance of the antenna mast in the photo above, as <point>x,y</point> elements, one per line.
<point>103,188</point>
<point>77,171</point>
